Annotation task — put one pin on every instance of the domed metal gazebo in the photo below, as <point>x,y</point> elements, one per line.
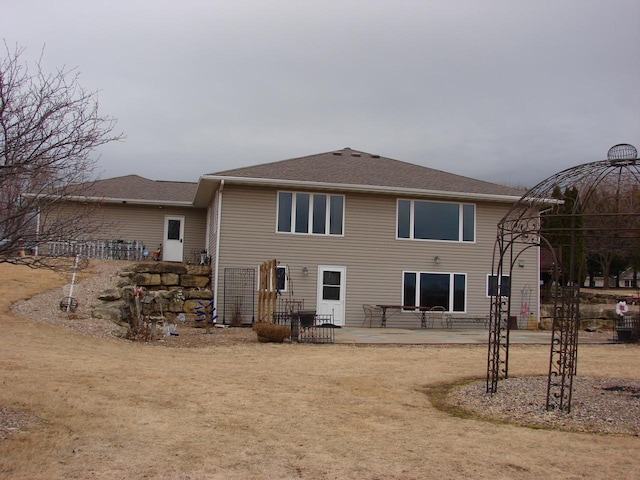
<point>590,209</point>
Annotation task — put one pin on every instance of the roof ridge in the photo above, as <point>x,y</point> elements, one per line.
<point>355,167</point>
<point>119,177</point>
<point>276,162</point>
<point>135,187</point>
<point>175,181</point>
<point>133,176</point>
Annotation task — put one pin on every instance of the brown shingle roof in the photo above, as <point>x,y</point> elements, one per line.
<point>134,187</point>
<point>352,167</point>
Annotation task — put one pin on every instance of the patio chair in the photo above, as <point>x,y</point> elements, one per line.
<point>436,314</point>
<point>371,314</point>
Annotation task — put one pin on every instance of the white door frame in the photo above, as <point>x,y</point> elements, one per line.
<point>173,249</point>
<point>336,307</point>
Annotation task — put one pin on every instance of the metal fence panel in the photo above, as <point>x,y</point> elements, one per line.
<point>307,326</point>
<point>102,249</point>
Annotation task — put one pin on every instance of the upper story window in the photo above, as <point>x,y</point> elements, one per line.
<point>310,213</point>
<point>422,220</point>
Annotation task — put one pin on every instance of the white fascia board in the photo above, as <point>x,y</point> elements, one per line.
<point>132,201</point>
<point>205,190</point>
<point>364,188</point>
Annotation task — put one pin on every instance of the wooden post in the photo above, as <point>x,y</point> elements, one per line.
<point>267,294</point>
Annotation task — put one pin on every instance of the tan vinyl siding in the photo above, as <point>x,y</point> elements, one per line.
<point>146,224</point>
<point>373,257</point>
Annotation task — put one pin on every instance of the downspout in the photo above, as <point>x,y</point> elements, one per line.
<point>207,236</point>
<point>37,242</point>
<point>217,256</point>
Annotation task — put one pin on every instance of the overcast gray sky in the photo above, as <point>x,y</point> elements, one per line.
<point>510,91</point>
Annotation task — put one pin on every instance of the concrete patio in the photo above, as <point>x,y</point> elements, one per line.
<point>350,335</point>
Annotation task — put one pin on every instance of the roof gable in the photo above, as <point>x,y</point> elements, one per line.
<point>352,167</point>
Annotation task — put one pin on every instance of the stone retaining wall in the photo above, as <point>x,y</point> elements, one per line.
<point>180,288</point>
<point>597,310</point>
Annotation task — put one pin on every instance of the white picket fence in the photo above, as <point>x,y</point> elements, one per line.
<point>105,249</point>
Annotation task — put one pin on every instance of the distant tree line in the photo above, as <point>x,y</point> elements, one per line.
<point>595,232</point>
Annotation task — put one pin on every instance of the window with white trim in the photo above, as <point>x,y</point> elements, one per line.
<point>492,286</point>
<point>310,213</point>
<point>427,289</point>
<point>446,221</point>
<point>282,278</point>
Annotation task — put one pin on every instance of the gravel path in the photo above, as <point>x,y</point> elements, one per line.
<point>101,275</point>
<point>45,307</point>
<point>598,405</point>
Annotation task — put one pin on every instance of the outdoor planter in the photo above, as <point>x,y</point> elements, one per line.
<point>271,333</point>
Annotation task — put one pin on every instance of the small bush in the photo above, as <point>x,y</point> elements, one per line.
<point>270,332</point>
<point>236,319</point>
<point>140,331</point>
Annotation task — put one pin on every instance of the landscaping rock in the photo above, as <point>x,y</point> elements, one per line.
<point>147,279</point>
<point>194,281</point>
<point>169,279</point>
<point>202,270</point>
<point>190,306</point>
<point>113,311</point>
<point>159,267</point>
<point>198,294</point>
<point>176,305</point>
<point>110,295</point>
<point>598,298</point>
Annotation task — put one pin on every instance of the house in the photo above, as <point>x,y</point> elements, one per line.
<point>347,228</point>
<point>350,228</point>
<point>629,278</point>
<point>157,214</point>
<point>625,280</point>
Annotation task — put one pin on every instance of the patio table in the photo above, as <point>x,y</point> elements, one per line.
<point>410,308</point>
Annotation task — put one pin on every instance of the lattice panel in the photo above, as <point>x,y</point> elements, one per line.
<point>239,296</point>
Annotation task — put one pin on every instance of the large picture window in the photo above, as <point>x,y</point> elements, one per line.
<point>422,220</point>
<point>310,213</point>
<point>424,289</point>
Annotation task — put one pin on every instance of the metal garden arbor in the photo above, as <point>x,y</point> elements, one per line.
<point>590,209</point>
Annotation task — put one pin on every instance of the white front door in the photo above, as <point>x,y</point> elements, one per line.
<point>173,238</point>
<point>331,292</point>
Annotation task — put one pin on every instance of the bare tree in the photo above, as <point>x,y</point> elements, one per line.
<point>612,227</point>
<point>49,129</point>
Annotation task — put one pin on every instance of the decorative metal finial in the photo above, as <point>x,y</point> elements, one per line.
<point>622,152</point>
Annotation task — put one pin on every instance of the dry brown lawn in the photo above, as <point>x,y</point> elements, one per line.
<point>113,409</point>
